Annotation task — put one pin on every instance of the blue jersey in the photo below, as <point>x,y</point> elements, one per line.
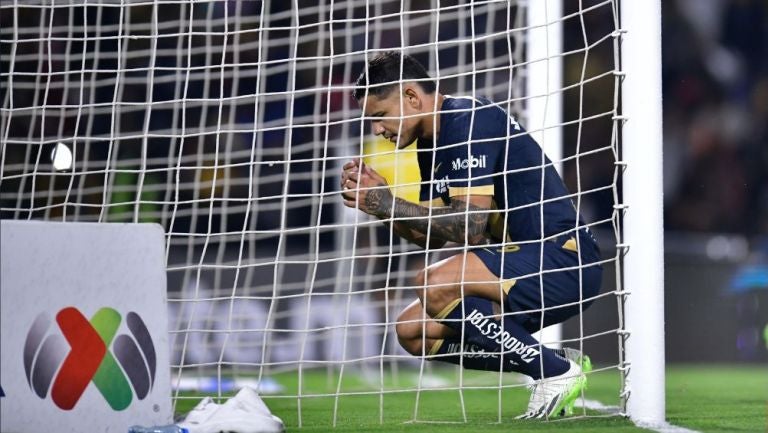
<point>481,150</point>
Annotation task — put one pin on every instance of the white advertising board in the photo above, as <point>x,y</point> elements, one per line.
<point>83,327</point>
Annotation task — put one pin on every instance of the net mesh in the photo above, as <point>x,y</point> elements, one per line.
<point>227,123</point>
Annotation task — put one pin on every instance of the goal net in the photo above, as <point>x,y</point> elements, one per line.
<point>228,122</point>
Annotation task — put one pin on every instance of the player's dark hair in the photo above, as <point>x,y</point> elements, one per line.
<point>383,75</point>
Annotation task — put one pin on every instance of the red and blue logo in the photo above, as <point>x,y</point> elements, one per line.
<point>66,360</point>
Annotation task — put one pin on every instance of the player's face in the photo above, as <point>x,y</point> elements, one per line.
<point>393,119</point>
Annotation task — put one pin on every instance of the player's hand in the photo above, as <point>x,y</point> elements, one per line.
<point>365,189</point>
<point>352,166</point>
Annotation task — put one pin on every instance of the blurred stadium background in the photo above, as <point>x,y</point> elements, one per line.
<point>715,72</point>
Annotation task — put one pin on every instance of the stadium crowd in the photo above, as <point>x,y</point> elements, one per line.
<point>715,84</point>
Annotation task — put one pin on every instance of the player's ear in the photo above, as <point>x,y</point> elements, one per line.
<point>412,96</point>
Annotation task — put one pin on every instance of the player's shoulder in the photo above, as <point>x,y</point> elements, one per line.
<point>458,111</point>
<point>464,112</point>
<point>465,105</point>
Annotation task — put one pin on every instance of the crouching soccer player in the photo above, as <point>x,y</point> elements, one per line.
<point>483,187</point>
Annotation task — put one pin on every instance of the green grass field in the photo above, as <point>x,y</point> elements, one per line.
<point>703,398</point>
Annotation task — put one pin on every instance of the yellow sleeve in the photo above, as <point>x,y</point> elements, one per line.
<point>472,190</point>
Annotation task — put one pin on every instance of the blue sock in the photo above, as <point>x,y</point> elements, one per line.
<point>468,355</point>
<point>506,337</point>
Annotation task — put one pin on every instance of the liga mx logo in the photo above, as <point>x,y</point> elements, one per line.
<point>66,360</point>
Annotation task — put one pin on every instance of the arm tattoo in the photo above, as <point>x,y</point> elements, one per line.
<point>379,201</point>
<point>460,222</point>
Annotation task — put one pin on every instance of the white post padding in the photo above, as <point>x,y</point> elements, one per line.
<point>643,222</point>
<point>544,80</point>
<point>544,84</point>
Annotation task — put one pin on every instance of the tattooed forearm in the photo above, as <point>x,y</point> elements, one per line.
<point>379,201</point>
<point>460,222</point>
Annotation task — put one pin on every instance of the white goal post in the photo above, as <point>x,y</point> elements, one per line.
<point>643,192</point>
<point>227,123</point>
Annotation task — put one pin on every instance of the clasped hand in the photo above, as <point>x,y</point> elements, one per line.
<point>365,189</point>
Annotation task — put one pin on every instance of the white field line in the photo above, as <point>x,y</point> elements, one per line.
<point>614,410</point>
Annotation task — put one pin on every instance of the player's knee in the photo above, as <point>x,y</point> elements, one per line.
<point>440,297</point>
<point>409,332</point>
<point>420,279</point>
<point>439,290</point>
<point>440,294</point>
<point>408,325</point>
<point>411,345</point>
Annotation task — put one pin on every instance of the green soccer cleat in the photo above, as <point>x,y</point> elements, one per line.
<point>550,396</point>
<point>582,360</point>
